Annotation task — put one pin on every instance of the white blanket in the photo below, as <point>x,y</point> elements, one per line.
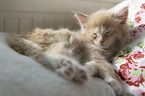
<point>22,76</point>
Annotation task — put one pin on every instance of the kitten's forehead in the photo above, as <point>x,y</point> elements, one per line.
<point>99,29</point>
<point>101,18</point>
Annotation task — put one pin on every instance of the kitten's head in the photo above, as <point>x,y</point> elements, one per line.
<point>103,27</point>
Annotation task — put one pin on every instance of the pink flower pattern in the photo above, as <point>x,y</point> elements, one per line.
<point>132,69</point>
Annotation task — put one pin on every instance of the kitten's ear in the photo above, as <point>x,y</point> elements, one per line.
<point>82,18</point>
<point>122,16</point>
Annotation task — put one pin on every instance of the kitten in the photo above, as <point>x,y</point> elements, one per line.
<point>64,51</point>
<point>106,30</point>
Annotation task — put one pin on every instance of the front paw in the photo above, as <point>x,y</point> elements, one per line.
<point>71,70</point>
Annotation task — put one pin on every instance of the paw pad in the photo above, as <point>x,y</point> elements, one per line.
<point>72,70</point>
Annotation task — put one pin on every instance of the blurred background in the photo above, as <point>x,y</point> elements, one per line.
<point>26,15</point>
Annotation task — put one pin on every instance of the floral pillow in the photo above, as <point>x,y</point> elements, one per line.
<point>130,62</point>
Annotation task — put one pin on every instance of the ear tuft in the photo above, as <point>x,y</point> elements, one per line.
<point>82,18</point>
<point>122,16</point>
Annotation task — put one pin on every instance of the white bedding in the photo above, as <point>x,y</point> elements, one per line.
<point>22,76</point>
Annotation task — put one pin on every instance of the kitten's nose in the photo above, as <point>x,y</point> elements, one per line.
<point>101,42</point>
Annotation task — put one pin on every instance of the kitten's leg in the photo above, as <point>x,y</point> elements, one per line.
<point>28,48</point>
<point>106,72</point>
<point>66,67</point>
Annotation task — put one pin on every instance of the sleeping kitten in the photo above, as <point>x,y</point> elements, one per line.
<point>64,51</point>
<point>106,30</point>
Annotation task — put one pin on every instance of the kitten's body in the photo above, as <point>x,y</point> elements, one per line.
<point>65,51</point>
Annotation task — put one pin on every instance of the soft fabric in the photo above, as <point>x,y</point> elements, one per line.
<point>130,62</point>
<point>22,76</point>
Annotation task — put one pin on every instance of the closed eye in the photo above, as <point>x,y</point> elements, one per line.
<point>94,35</point>
<point>107,33</point>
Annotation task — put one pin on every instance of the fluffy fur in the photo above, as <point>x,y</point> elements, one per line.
<point>64,51</point>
